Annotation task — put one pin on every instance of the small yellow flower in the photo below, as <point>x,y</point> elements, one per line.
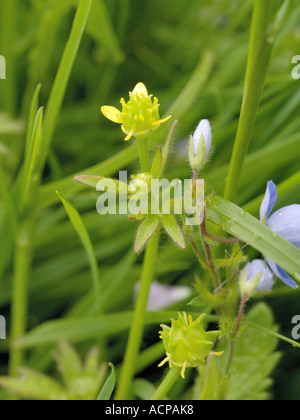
<point>139,116</point>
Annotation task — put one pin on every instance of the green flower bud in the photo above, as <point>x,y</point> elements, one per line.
<point>186,342</point>
<point>200,145</point>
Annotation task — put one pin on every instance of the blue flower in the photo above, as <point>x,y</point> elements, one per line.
<point>285,222</point>
<point>255,278</point>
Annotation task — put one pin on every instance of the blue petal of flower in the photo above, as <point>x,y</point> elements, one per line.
<point>281,274</point>
<point>269,201</point>
<point>266,281</point>
<point>286,223</point>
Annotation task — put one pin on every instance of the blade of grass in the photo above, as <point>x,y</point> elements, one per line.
<point>24,246</point>
<point>260,52</point>
<point>86,242</point>
<point>86,328</point>
<point>63,74</point>
<point>240,224</point>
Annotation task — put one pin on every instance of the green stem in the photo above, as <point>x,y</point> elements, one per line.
<point>168,382</point>
<point>261,47</point>
<point>136,331</point>
<point>22,264</point>
<point>237,328</point>
<point>210,258</point>
<point>144,155</point>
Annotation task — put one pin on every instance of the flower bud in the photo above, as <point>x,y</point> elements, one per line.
<point>200,145</point>
<point>256,278</point>
<point>186,342</point>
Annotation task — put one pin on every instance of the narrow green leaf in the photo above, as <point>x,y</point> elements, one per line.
<point>92,181</point>
<point>34,107</point>
<point>101,29</point>
<point>68,362</point>
<point>32,172</point>
<point>146,230</point>
<point>109,385</point>
<point>167,148</point>
<point>173,230</point>
<point>85,328</point>
<point>157,162</point>
<point>86,242</point>
<point>242,225</point>
<point>63,74</point>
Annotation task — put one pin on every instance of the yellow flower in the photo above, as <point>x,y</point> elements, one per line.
<point>186,342</point>
<point>139,116</point>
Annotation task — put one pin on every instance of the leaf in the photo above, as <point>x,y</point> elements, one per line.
<point>146,230</point>
<point>109,385</point>
<point>85,328</point>
<point>173,230</point>
<point>102,30</point>
<point>240,224</point>
<point>68,361</point>
<point>34,385</point>
<point>86,241</point>
<point>157,163</point>
<point>253,363</point>
<point>92,181</point>
<point>167,149</point>
<point>33,168</point>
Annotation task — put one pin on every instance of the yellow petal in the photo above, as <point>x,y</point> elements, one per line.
<point>112,113</point>
<point>220,353</point>
<point>162,120</point>
<point>140,90</point>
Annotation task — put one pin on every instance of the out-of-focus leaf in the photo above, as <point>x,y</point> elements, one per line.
<point>109,385</point>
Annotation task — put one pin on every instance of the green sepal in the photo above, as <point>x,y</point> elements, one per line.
<point>157,163</point>
<point>173,230</point>
<point>146,230</point>
<point>197,162</point>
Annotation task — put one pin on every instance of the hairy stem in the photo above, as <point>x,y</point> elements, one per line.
<point>167,384</point>
<point>137,327</point>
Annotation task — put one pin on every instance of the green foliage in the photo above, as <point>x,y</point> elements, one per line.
<point>71,57</point>
<point>81,380</point>
<point>255,358</point>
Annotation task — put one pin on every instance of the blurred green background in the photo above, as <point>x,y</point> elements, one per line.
<point>165,44</point>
